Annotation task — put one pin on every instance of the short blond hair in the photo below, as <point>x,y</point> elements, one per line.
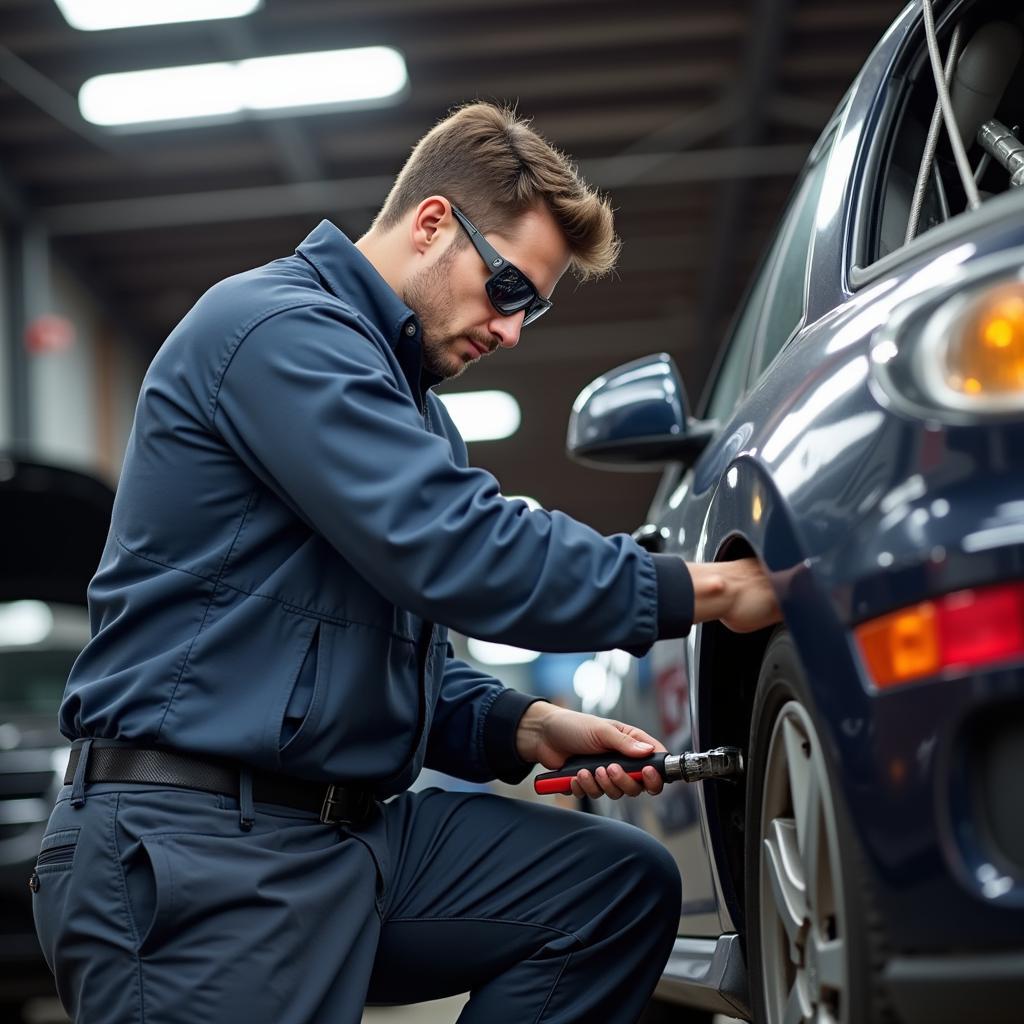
<point>492,165</point>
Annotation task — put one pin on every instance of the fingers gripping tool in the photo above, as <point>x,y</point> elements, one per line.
<point>719,763</point>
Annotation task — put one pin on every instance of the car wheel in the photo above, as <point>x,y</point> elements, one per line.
<point>813,951</point>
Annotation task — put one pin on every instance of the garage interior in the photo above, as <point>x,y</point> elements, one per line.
<point>695,119</point>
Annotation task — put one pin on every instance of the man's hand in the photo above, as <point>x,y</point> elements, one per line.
<point>551,735</point>
<point>738,593</point>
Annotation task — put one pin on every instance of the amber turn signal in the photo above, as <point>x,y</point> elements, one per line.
<point>984,355</point>
<point>957,632</point>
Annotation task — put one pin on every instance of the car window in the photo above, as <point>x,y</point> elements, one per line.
<point>917,185</point>
<point>797,223</point>
<point>732,369</point>
<point>785,310</point>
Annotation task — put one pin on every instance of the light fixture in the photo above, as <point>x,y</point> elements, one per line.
<point>24,622</point>
<point>93,15</point>
<point>500,654</point>
<point>177,96</point>
<point>484,415</point>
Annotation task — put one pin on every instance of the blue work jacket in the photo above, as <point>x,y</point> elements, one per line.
<point>295,528</point>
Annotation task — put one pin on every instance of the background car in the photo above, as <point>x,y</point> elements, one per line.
<point>54,524</point>
<point>863,436</point>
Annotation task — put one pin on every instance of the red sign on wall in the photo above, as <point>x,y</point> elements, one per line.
<point>49,333</point>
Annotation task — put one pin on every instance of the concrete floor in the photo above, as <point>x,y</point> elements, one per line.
<point>443,1011</point>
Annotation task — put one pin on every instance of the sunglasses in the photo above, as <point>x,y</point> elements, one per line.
<point>508,288</point>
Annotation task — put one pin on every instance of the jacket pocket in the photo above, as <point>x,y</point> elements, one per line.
<point>305,703</point>
<point>51,882</point>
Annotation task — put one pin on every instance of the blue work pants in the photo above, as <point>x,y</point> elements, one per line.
<point>153,906</point>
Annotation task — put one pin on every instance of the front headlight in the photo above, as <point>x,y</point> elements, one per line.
<point>972,351</point>
<point>958,353</point>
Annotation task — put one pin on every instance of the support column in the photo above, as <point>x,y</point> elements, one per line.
<point>26,288</point>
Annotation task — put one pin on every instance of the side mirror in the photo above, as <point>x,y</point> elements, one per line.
<point>635,417</point>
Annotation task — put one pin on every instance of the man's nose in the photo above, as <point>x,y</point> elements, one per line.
<point>507,329</point>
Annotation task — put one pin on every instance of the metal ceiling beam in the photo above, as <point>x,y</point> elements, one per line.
<point>224,205</point>
<point>295,153</point>
<point>684,131</point>
<point>381,141</point>
<point>760,72</point>
<point>493,36</point>
<point>50,98</point>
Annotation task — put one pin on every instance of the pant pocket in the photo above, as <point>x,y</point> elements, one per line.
<point>51,883</point>
<point>150,887</point>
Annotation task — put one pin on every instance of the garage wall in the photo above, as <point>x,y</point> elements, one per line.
<point>82,397</point>
<point>62,383</point>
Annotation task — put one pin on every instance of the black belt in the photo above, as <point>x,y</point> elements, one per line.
<point>335,804</point>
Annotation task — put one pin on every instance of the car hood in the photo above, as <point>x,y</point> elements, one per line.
<point>55,522</point>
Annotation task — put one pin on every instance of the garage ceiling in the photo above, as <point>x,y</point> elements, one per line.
<point>694,117</point>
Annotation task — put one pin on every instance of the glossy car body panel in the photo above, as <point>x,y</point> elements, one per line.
<point>857,505</point>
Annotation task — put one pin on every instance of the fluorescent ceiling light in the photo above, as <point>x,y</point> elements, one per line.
<point>226,91</point>
<point>484,415</point>
<point>500,654</point>
<point>91,15</point>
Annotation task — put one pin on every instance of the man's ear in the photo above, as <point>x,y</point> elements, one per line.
<point>430,220</point>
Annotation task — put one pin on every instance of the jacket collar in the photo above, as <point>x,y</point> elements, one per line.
<point>352,277</point>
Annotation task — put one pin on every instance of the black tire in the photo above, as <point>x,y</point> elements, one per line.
<point>836,966</point>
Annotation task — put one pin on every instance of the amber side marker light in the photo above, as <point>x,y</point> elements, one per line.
<point>983,357</point>
<point>959,631</point>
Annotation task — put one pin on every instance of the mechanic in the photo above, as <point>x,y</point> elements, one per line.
<point>294,530</point>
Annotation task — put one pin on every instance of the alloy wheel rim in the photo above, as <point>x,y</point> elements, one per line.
<point>803,934</point>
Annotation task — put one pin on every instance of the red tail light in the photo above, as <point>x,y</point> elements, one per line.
<point>961,630</point>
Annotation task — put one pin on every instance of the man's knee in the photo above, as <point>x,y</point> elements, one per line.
<point>647,870</point>
<point>662,875</point>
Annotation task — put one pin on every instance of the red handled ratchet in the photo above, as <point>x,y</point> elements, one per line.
<point>719,763</point>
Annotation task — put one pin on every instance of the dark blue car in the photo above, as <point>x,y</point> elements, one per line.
<point>863,436</point>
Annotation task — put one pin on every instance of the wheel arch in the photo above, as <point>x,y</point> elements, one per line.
<point>730,664</point>
<point>753,519</point>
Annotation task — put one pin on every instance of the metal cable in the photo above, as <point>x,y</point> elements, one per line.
<point>940,188</point>
<point>931,143</point>
<point>986,159</point>
<point>964,168</point>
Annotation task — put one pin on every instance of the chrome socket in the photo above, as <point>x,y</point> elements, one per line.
<point>719,763</point>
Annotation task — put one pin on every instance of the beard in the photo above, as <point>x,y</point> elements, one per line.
<point>428,295</point>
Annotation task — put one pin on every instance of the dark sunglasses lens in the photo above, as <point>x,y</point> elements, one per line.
<point>510,291</point>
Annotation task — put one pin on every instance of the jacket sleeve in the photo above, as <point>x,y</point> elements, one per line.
<point>473,734</point>
<point>316,411</point>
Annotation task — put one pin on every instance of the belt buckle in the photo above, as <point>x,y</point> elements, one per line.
<point>350,806</point>
<point>328,807</point>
